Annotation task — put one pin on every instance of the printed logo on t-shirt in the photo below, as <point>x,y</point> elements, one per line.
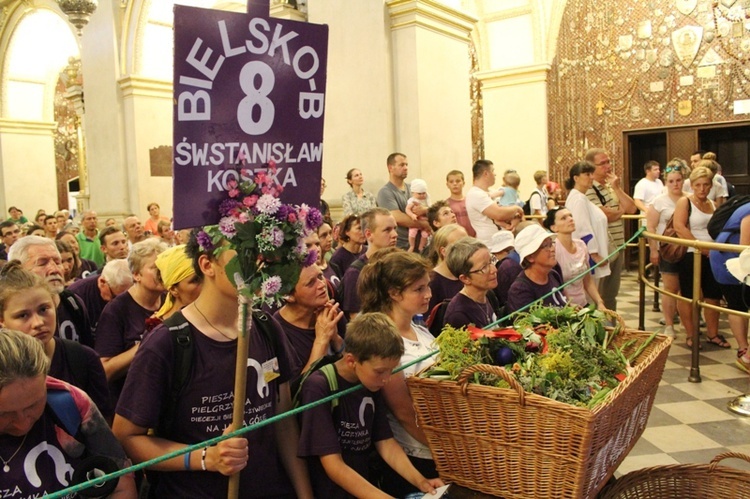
<point>67,330</point>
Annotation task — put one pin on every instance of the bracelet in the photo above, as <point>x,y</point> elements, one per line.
<point>187,461</point>
<point>203,458</point>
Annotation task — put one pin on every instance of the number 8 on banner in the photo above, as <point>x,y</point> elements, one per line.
<point>256,97</point>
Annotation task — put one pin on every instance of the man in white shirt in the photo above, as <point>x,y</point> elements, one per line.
<point>648,187</point>
<point>484,214</point>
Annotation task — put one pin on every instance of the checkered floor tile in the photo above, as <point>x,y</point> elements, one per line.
<point>689,422</point>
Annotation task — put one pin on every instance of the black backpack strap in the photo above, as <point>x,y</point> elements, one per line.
<point>182,344</point>
<point>601,197</point>
<point>76,359</point>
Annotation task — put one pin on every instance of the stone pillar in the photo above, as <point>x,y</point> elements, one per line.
<point>515,113</point>
<point>431,68</point>
<point>109,185</point>
<point>27,168</point>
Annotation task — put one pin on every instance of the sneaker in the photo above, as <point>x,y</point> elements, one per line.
<point>743,364</point>
<point>669,331</point>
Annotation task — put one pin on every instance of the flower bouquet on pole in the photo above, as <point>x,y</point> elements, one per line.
<point>268,238</point>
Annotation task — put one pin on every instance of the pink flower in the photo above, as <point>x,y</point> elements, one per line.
<point>233,193</point>
<point>292,217</point>
<point>272,164</point>
<point>250,201</point>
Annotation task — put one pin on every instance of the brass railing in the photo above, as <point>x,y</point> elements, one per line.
<point>695,301</point>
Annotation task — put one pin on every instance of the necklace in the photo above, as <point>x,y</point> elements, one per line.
<point>209,323</point>
<point>6,463</point>
<point>482,307</point>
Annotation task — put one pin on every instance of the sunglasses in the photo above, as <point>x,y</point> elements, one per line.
<point>671,169</point>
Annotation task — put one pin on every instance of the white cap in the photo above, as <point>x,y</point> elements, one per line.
<point>418,185</point>
<point>740,267</point>
<point>501,240</point>
<point>530,239</point>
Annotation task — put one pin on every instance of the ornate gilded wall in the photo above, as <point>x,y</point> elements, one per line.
<point>635,64</point>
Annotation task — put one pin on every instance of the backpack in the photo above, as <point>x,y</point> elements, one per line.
<point>436,320</point>
<point>527,206</point>
<point>724,212</point>
<point>325,365</point>
<point>74,352</point>
<point>182,341</point>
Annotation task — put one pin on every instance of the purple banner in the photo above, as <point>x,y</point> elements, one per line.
<point>246,88</point>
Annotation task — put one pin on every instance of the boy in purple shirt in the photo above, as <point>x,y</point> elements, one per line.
<point>337,440</point>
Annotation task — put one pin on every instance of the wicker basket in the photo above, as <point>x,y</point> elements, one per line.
<point>513,444</point>
<point>684,481</point>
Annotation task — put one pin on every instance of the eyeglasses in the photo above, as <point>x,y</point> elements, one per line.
<point>487,266</point>
<point>547,245</point>
<point>671,169</point>
<point>605,162</point>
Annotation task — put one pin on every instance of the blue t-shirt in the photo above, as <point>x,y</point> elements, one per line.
<point>730,235</point>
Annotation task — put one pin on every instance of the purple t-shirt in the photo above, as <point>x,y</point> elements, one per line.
<point>88,291</point>
<point>72,320</point>
<point>341,259</point>
<point>524,291</point>
<point>442,289</point>
<point>95,384</point>
<point>507,271</point>
<point>350,302</point>
<point>121,324</point>
<point>330,274</point>
<point>87,267</point>
<point>48,454</point>
<point>463,311</point>
<point>301,341</point>
<point>358,421</point>
<point>205,408</point>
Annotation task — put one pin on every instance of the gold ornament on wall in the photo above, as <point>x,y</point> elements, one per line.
<point>686,42</point>
<point>685,7</point>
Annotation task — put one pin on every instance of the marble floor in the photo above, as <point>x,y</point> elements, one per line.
<point>689,422</point>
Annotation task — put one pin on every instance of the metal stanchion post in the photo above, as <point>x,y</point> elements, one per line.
<point>657,278</point>
<point>641,284</point>
<point>695,370</point>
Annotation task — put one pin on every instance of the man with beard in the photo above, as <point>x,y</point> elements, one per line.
<point>39,255</point>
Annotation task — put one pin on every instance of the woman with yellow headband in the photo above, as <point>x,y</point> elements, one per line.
<point>178,276</point>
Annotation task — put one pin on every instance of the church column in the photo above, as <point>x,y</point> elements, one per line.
<point>431,66</point>
<point>110,182</point>
<point>515,112</point>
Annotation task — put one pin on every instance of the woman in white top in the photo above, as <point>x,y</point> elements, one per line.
<point>657,215</point>
<point>357,200</point>
<point>691,216</point>
<point>398,284</point>
<point>573,257</point>
<point>591,222</point>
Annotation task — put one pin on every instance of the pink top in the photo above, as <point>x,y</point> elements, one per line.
<point>573,265</point>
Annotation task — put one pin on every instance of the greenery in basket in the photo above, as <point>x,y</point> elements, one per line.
<point>560,353</point>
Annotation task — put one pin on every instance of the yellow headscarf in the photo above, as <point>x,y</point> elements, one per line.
<point>175,266</point>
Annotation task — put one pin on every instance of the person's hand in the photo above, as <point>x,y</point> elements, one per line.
<point>705,252</point>
<point>228,456</point>
<point>326,320</point>
<point>429,485</point>
<point>613,179</point>
<point>654,258</point>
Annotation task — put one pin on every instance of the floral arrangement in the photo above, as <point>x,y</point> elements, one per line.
<point>565,354</point>
<point>267,235</point>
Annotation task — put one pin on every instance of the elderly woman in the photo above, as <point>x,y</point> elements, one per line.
<point>536,248</point>
<point>396,283</point>
<point>471,261</point>
<point>312,322</point>
<point>351,241</point>
<point>123,319</point>
<point>573,257</point>
<point>657,215</point>
<point>591,222</point>
<point>443,283</point>
<point>357,200</point>
<point>30,420</point>
<point>691,216</point>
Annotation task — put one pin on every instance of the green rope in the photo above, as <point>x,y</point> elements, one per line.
<point>213,441</point>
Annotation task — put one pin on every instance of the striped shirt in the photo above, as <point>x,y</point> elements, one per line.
<point>603,195</point>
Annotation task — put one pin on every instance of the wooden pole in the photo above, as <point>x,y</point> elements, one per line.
<point>240,381</point>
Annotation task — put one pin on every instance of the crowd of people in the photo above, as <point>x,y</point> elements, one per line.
<point>137,326</point>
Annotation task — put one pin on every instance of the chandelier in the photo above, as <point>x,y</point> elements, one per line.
<point>78,11</point>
